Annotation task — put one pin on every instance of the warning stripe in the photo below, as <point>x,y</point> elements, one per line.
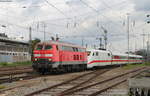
<point>102,61</point>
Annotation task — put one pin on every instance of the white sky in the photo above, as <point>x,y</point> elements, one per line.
<point>58,14</point>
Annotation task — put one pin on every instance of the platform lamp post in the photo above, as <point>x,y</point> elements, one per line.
<point>30,41</point>
<point>128,32</point>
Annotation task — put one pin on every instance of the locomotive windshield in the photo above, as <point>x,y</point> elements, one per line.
<point>48,47</point>
<point>88,53</point>
<point>39,47</point>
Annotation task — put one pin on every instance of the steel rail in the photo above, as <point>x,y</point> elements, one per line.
<point>15,72</point>
<point>101,82</point>
<point>14,68</point>
<point>86,81</point>
<point>113,85</point>
<point>60,84</point>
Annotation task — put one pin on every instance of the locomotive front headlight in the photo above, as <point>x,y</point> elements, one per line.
<point>35,59</point>
<point>49,59</point>
<point>48,55</point>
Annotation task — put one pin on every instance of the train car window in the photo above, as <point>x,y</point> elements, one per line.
<point>39,47</point>
<point>96,53</point>
<point>48,47</point>
<point>108,54</point>
<point>93,53</point>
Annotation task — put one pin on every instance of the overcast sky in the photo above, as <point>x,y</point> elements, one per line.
<point>74,20</point>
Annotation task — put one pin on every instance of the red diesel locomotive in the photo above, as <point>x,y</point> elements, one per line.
<point>56,55</point>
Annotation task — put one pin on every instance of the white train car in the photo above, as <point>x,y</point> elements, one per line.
<point>118,58</point>
<point>97,58</point>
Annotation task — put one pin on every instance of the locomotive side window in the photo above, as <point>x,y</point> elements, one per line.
<point>74,57</point>
<point>77,49</point>
<point>80,57</point>
<point>67,48</point>
<point>73,49</point>
<point>96,53</point>
<point>77,57</point>
<point>48,47</point>
<point>39,47</point>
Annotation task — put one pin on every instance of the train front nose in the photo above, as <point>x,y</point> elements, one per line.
<point>42,63</point>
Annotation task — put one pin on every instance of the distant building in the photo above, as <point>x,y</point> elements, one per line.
<point>13,50</point>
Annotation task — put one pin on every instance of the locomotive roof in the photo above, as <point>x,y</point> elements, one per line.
<point>96,50</point>
<point>61,43</point>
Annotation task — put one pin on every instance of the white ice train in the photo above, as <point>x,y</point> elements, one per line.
<point>97,58</point>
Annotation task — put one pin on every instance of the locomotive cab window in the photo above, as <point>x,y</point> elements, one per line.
<point>88,53</point>
<point>93,53</point>
<point>39,47</point>
<point>48,47</point>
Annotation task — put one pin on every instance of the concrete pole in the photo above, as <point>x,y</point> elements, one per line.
<point>128,32</point>
<point>30,41</point>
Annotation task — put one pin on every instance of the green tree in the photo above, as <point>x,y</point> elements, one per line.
<point>34,42</point>
<point>142,52</point>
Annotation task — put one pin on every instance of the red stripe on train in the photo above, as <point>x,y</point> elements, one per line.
<point>101,61</point>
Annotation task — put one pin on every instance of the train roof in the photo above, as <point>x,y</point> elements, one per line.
<point>61,43</point>
<point>115,53</point>
<point>96,50</point>
<point>124,54</point>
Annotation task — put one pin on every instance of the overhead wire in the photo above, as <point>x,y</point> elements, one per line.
<point>100,14</point>
<point>55,8</point>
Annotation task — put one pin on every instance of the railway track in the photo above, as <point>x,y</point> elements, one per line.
<point>104,85</point>
<point>9,74</point>
<point>70,84</point>
<point>14,68</point>
<point>83,85</point>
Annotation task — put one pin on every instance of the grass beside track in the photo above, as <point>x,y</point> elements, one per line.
<point>2,87</point>
<point>9,64</point>
<point>130,66</point>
